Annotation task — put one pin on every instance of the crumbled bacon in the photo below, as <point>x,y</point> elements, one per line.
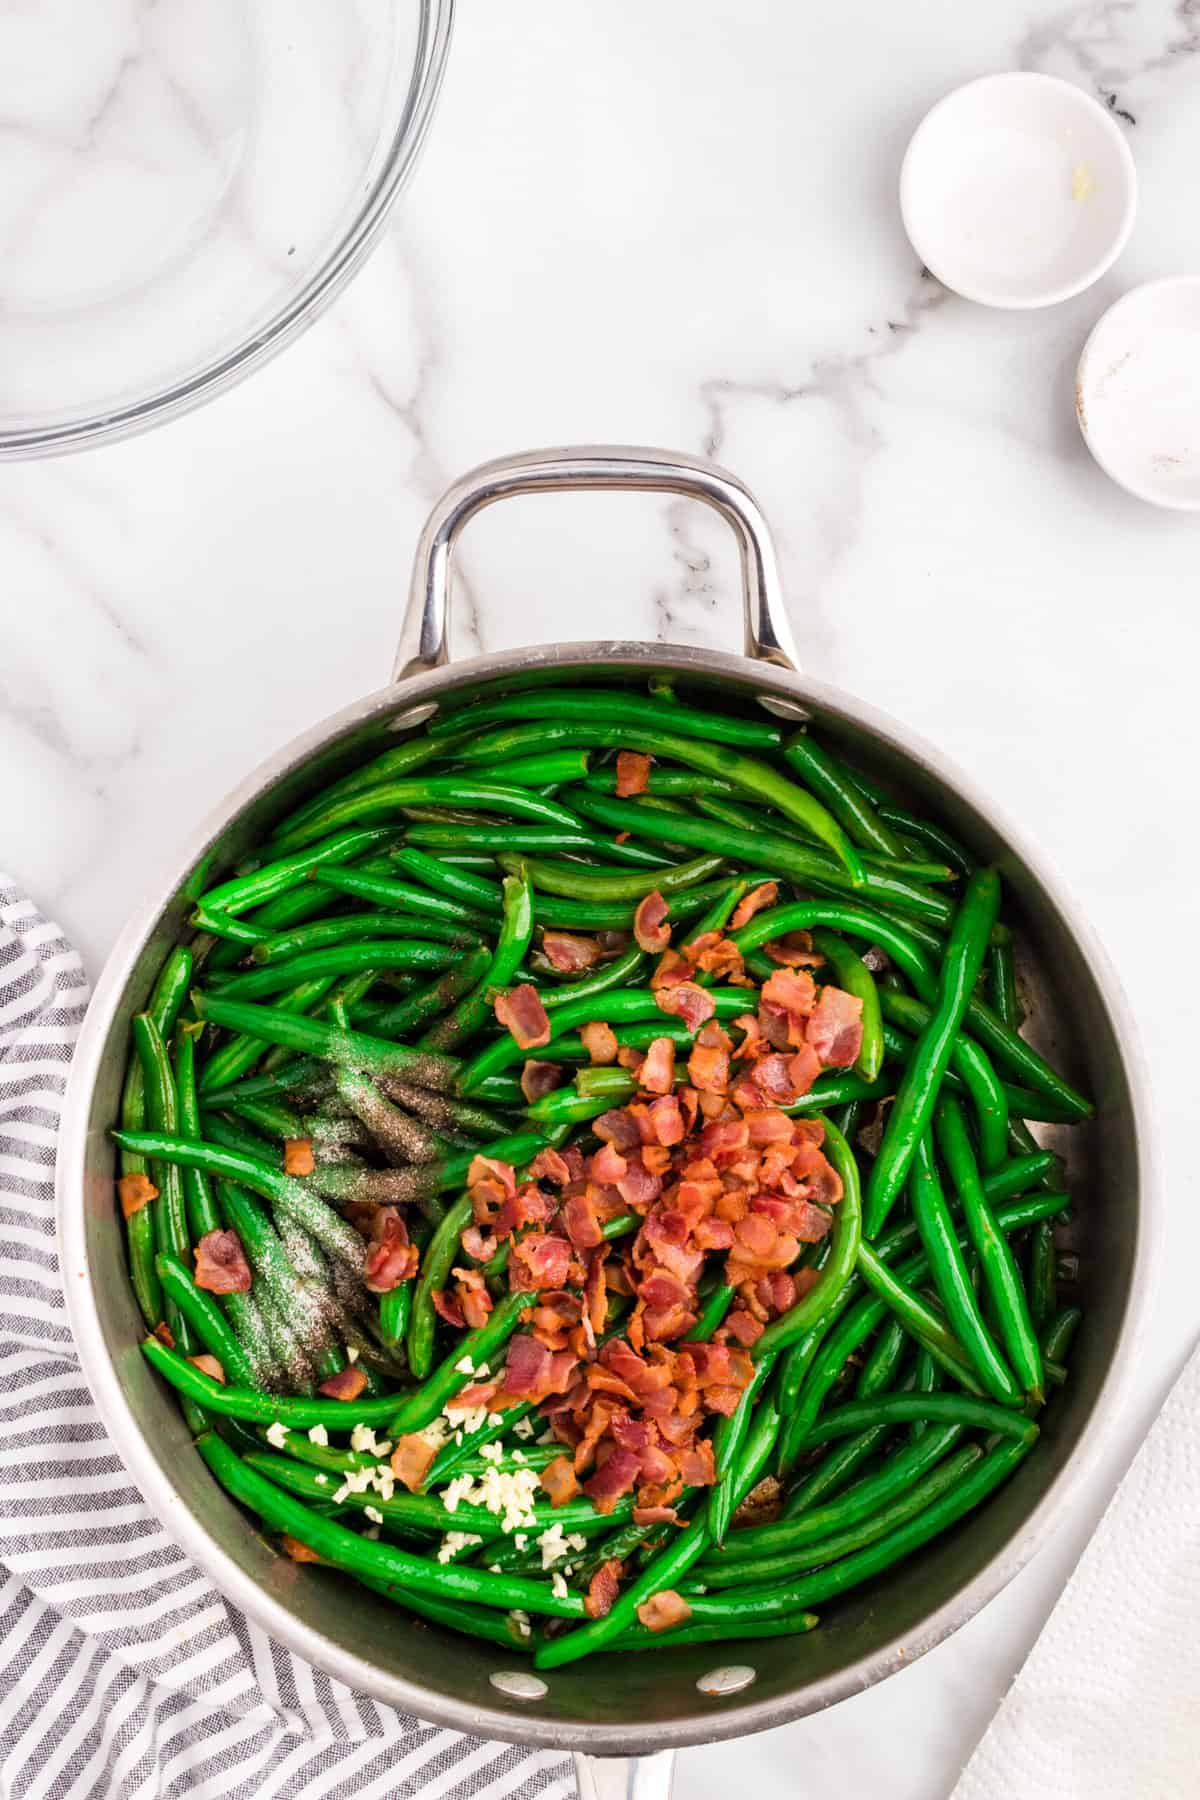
<point>656,1071</point>
<point>135,1191</point>
<point>633,773</point>
<point>411,1460</point>
<point>765,894</point>
<point>164,1334</point>
<point>391,1259</point>
<point>539,1079</point>
<point>603,1589</point>
<point>795,949</point>
<point>600,1041</point>
<point>558,1479</point>
<point>538,1261</point>
<point>474,1300</point>
<point>569,952</point>
<point>208,1365</point>
<point>221,1266</point>
<point>663,1610</point>
<point>347,1384</point>
<point>299,1553</point>
<point>549,1165</point>
<point>298,1156</point>
<point>446,1306</point>
<point>650,926</point>
<point>835,1028</point>
<point>522,1012</point>
<point>694,1005</point>
<point>531,1372</point>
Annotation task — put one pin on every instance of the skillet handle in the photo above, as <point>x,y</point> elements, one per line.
<point>425,634</point>
<point>625,1777</point>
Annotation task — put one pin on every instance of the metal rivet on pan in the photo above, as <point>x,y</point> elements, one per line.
<point>783,709</point>
<point>519,1685</point>
<point>415,715</point>
<point>730,1679</point>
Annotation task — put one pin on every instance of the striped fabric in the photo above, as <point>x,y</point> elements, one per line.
<point>122,1672</point>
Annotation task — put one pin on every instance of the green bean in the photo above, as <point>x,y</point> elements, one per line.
<point>969,1064</point>
<point>852,974</point>
<point>927,1379</point>
<point>912,1109</point>
<point>319,934</point>
<point>336,959</point>
<point>428,1003</point>
<point>275,878</point>
<point>243,1051</point>
<point>882,1365</point>
<point>837,1089</point>
<point>199,1203</point>
<point>898,1511</point>
<point>942,1409</point>
<point>552,767</point>
<point>756,818</point>
<point>727,1440</point>
<point>304,1078</point>
<point>295,1313</point>
<point>846,802</point>
<point>1002,986</point>
<point>390,798</point>
<point>688,783</point>
<point>346,1550</point>
<point>402,897</point>
<point>582,708</point>
<point>162,1117</point>
<point>458,1615</point>
<point>573,881</point>
<point>713,1631</point>
<point>1043,1298</point>
<point>395,1309</point>
<point>930,836</point>
<point>712,1314</point>
<point>214,922</point>
<point>1016,1177</point>
<point>400,759</point>
<point>353,1048</point>
<point>436,1263</point>
<point>792,859</point>
<point>446,1114</point>
<point>949,1271</point>
<point>476,1347</point>
<point>453,1457</point>
<point>493,839</point>
<point>1000,1272</point>
<point>833,1471</point>
<point>622,971</point>
<point>206,1319</point>
<point>298,1411</point>
<point>1057,1337</point>
<point>843,1255</point>
<point>516,931</point>
<point>402,1138</point>
<point>631,1004</point>
<point>166,998</point>
<point>843,915</point>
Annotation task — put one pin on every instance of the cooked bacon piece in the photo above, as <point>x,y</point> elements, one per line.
<point>665,1118</point>
<point>619,1128</point>
<point>672,967</point>
<point>446,1306</point>
<point>696,1464</point>
<point>531,1372</point>
<point>475,1394</point>
<point>600,1041</point>
<point>581,1217</point>
<point>347,1384</point>
<point>482,1245</point>
<point>665,1241</point>
<point>391,1259</point>
<point>606,1165</point>
<point>164,1334</point>
<point>633,773</point>
<point>299,1553</point>
<point>708,1064</point>
<point>569,952</point>
<point>538,1261</point>
<point>595,1294</point>
<point>656,1514</point>
<point>221,1266</point>
<point>558,1479</point>
<point>656,1072</point>
<point>765,894</point>
<point>718,956</point>
<point>411,1460</point>
<point>773,1077</point>
<point>539,1079</point>
<point>550,1165</point>
<point>694,1005</point>
<point>792,990</point>
<point>743,1327</point>
<point>613,1477</point>
<point>663,1610</point>
<point>795,949</point>
<point>650,926</point>
<point>603,1589</point>
<point>474,1300</point>
<point>521,1011</point>
<point>638,1186</point>
<point>490,1181</point>
<point>135,1191</point>
<point>835,1028</point>
<point>208,1365</point>
<point>298,1156</point>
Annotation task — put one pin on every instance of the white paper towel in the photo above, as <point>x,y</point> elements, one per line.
<point>1106,1705</point>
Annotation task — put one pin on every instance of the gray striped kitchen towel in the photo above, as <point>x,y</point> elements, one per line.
<point>123,1673</point>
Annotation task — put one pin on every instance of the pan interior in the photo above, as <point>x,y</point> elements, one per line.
<point>639,1703</point>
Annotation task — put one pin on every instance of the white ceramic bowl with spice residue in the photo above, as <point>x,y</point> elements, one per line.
<point>1018,190</point>
<point>1137,392</point>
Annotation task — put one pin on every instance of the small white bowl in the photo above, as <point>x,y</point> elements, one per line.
<point>1018,190</point>
<point>1137,392</point>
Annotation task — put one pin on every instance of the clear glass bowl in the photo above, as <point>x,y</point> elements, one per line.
<point>183,186</point>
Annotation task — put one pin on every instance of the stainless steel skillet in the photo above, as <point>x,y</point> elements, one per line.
<point>631,1712</point>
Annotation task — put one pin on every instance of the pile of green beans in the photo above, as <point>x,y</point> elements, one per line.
<point>324,1041</point>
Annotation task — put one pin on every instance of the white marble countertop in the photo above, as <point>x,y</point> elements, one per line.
<point>677,225</point>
